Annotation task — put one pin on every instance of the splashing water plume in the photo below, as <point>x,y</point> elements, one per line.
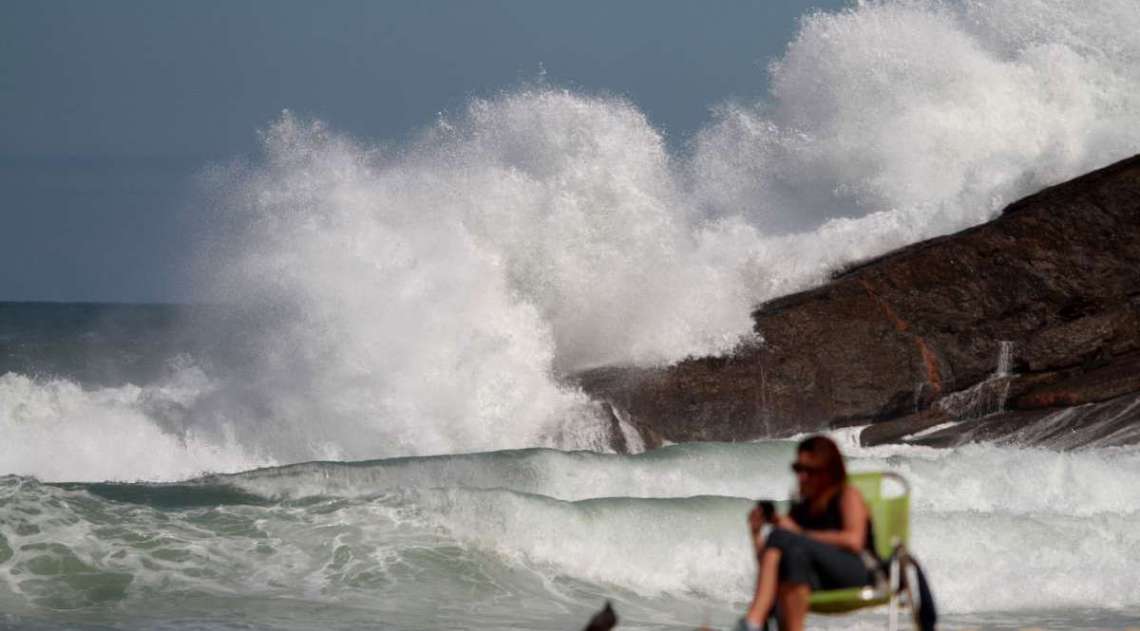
<point>429,298</point>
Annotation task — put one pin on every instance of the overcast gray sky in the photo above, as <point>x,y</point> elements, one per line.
<point>109,108</point>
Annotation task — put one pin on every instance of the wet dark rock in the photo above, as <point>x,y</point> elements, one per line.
<point>897,430</point>
<point>1104,424</point>
<point>898,342</point>
<point>1115,378</point>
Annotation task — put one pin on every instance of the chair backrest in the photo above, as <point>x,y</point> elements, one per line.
<point>890,507</point>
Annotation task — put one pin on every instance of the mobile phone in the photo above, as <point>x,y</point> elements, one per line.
<point>767,509</point>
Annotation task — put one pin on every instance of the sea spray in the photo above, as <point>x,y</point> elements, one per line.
<point>934,114</point>
<point>429,297</point>
<point>60,431</point>
<point>543,230</point>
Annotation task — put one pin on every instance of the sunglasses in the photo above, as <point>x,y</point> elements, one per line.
<point>806,470</point>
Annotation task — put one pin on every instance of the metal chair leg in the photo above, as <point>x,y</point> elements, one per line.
<point>893,605</point>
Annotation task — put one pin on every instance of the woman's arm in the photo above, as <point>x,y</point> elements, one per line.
<point>854,533</point>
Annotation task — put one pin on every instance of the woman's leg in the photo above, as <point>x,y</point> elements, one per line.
<point>793,605</point>
<point>817,564</point>
<point>766,577</point>
<point>796,576</point>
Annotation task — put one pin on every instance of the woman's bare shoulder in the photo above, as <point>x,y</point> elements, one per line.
<point>850,494</point>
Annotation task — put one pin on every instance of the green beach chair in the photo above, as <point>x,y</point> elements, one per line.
<point>888,497</point>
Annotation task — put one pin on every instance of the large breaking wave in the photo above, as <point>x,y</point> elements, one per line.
<point>426,298</point>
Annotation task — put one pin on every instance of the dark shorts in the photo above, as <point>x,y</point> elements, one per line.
<point>820,565</point>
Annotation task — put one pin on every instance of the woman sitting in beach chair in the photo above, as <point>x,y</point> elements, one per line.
<point>825,542</point>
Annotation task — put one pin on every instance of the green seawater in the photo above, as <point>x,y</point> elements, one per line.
<point>539,539</point>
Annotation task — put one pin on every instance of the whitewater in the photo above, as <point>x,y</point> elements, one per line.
<point>405,322</point>
<point>538,538</point>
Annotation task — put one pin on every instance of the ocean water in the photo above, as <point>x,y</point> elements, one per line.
<point>403,322</point>
<point>537,538</point>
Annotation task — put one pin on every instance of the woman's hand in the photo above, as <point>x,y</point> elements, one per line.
<point>756,526</point>
<point>755,520</point>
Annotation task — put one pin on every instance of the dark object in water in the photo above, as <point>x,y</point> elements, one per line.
<point>604,620</point>
<point>922,599</point>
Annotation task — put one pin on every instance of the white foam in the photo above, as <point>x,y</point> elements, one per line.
<point>999,530</point>
<point>988,478</point>
<point>56,430</point>
<point>976,561</point>
<point>982,478</point>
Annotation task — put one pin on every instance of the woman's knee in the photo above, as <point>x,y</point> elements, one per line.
<point>795,566</point>
<point>793,558</point>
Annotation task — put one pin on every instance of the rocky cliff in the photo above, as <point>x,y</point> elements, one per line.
<point>913,342</point>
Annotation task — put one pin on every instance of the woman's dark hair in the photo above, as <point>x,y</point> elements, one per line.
<point>827,452</point>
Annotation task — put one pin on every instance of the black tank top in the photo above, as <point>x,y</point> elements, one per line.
<point>831,518</point>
